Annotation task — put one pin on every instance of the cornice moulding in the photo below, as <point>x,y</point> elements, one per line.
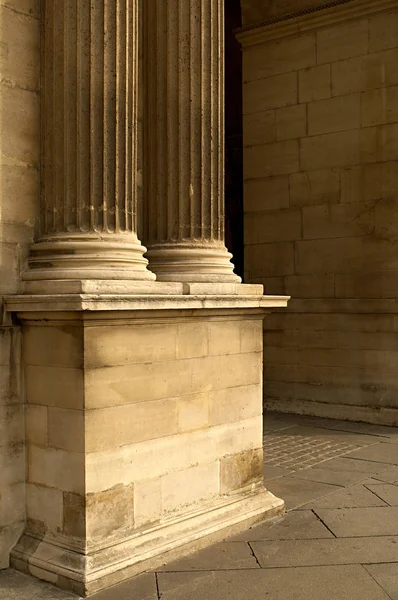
<point>333,13</point>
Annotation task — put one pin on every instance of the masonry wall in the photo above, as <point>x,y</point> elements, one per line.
<point>321,210</point>
<point>19,122</point>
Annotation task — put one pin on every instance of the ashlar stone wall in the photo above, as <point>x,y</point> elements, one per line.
<point>321,206</point>
<point>19,122</point>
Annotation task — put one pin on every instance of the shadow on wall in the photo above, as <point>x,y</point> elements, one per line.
<point>19,200</point>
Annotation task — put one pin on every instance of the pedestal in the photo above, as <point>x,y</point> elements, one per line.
<point>143,429</point>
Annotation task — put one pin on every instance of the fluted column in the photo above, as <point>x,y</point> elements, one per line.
<point>89,143</point>
<point>184,138</point>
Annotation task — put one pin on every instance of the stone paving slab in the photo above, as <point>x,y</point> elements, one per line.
<point>386,491</point>
<point>218,557</point>
<point>142,587</point>
<point>334,551</point>
<point>355,496</point>
<point>357,522</point>
<point>297,525</point>
<point>387,577</point>
<point>309,583</point>
<point>381,452</point>
<point>297,492</point>
<point>340,478</point>
<point>389,476</point>
<point>347,463</point>
<point>274,472</point>
<point>17,586</point>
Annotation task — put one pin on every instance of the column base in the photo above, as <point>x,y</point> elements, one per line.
<point>192,263</point>
<point>86,574</point>
<point>95,256</point>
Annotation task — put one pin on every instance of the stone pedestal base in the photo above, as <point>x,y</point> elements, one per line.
<point>143,430</point>
<point>87,574</point>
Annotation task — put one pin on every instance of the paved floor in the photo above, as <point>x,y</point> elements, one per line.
<point>338,539</point>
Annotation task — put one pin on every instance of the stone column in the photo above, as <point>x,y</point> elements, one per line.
<point>184,136</point>
<point>89,147</point>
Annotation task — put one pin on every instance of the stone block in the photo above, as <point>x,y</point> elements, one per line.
<point>279,56</point>
<point>10,270</point>
<point>344,255</point>
<point>36,424</point>
<point>291,122</point>
<point>29,8</point>
<point>342,41</point>
<point>274,286</point>
<point>66,429</point>
<point>334,114</point>
<point>358,74</point>
<point>259,128</point>
<point>310,286</point>
<point>251,335</point>
<point>54,386</point>
<point>269,260</point>
<point>13,465</point>
<point>315,83</point>
<point>22,183</point>
<point>266,194</point>
<point>188,487</point>
<point>345,148</point>
<point>45,505</point>
<point>130,384</point>
<point>12,430</point>
<point>224,337</point>
<point>273,226</point>
<point>369,285</point>
<point>74,515</point>
<point>12,504</point>
<point>373,182</point>
<point>110,513</point>
<point>270,93</point>
<point>20,45</point>
<point>268,160</point>
<point>235,404</point>
<point>226,371</point>
<point>19,144</point>
<point>338,220</point>
<point>388,142</point>
<point>123,345</point>
<point>147,502</point>
<point>315,187</point>
<point>133,463</point>
<point>379,106</point>
<point>241,470</point>
<point>128,424</point>
<point>383,31</point>
<point>55,346</point>
<point>192,340</point>
<point>55,468</point>
<point>193,412</point>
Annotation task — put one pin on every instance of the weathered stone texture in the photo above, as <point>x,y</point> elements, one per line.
<point>19,149</point>
<point>323,224</point>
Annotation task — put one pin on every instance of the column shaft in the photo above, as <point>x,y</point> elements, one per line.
<point>89,143</point>
<point>184,137</point>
